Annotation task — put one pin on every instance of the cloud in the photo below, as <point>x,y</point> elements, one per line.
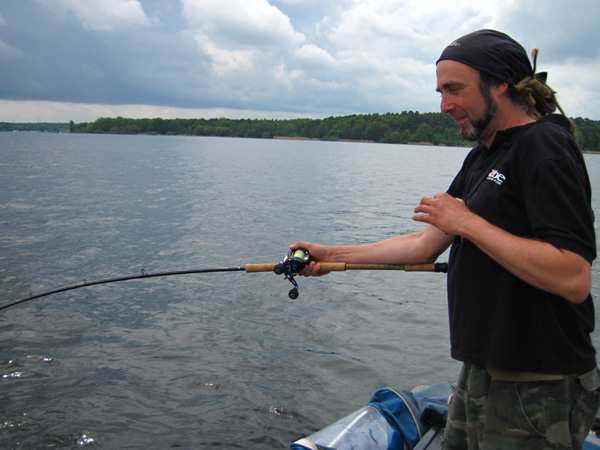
<point>248,43</point>
<point>310,55</point>
<point>63,112</point>
<point>225,61</point>
<point>241,24</point>
<point>8,52</point>
<point>411,28</point>
<point>102,15</point>
<point>301,56</point>
<point>562,31</point>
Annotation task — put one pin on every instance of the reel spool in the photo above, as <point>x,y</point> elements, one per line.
<point>293,263</point>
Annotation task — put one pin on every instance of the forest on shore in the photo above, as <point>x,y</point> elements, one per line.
<point>49,127</point>
<point>408,127</point>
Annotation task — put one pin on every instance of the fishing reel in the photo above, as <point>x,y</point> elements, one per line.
<point>292,265</point>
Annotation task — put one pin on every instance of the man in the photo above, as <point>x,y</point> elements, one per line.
<point>518,216</point>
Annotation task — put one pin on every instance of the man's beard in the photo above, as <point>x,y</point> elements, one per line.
<point>478,126</point>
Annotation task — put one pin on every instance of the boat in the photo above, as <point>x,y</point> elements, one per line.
<point>398,420</point>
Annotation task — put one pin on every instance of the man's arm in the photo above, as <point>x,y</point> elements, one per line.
<point>416,248</point>
<point>541,264</point>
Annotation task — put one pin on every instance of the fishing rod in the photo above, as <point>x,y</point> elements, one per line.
<point>292,264</point>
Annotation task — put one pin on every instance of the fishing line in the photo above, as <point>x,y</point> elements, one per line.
<point>290,266</point>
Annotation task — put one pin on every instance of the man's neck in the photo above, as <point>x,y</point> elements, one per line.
<point>508,117</point>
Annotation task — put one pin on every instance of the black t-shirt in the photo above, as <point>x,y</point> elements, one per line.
<point>533,183</point>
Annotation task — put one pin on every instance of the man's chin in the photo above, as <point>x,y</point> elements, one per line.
<point>469,134</point>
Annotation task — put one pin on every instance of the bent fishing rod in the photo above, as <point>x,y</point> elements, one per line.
<point>292,264</point>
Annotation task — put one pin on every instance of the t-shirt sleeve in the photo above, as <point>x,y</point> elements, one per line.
<point>558,195</point>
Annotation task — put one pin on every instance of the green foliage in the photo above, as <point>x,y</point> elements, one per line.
<point>39,126</point>
<point>396,128</point>
<point>403,128</point>
<point>587,133</point>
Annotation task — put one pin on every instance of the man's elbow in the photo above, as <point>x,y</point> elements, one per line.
<point>579,287</point>
<point>430,258</point>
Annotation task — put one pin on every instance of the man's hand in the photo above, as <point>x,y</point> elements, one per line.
<point>318,253</point>
<point>444,212</point>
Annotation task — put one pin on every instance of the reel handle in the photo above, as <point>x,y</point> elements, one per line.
<point>295,261</point>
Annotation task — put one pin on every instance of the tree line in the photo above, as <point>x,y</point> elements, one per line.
<point>49,127</point>
<point>399,128</point>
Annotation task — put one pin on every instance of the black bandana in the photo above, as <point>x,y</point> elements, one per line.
<point>491,52</point>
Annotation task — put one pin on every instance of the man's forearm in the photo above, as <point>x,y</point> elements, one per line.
<point>541,264</point>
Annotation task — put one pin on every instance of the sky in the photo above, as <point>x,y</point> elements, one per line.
<point>79,60</point>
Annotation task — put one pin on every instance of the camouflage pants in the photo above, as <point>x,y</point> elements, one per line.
<point>487,414</point>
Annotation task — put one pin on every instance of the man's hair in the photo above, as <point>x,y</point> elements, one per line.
<point>531,94</point>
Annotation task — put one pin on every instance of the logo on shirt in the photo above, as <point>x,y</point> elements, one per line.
<point>496,177</point>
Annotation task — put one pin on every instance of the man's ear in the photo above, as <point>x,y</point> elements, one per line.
<point>500,90</point>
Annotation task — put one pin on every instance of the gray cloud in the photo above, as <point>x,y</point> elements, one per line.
<point>563,31</point>
<point>281,56</point>
<point>101,15</point>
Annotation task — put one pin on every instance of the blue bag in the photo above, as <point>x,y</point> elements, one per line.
<point>392,420</point>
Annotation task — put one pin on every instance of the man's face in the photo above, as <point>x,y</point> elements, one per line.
<point>471,105</point>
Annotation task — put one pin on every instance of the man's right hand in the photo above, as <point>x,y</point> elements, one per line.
<point>318,253</point>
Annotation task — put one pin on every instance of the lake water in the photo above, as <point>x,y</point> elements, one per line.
<point>220,360</point>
